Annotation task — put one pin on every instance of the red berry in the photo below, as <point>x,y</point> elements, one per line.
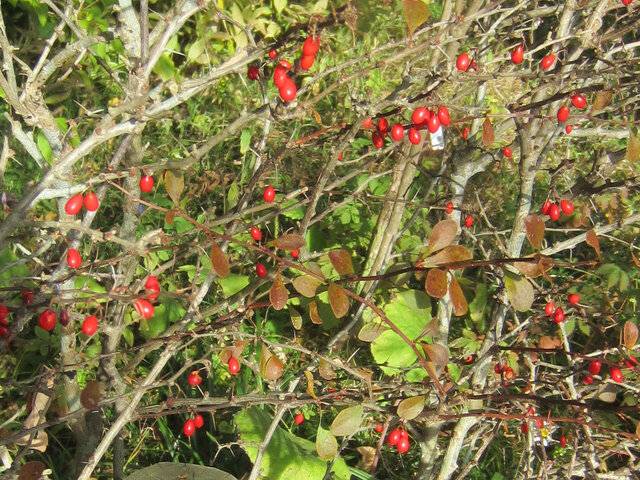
<point>269,194</point>
<point>194,378</point>
<point>74,260</point>
<point>433,124</point>
<point>616,374</point>
<point>545,207</point>
<point>404,434</point>
<point>340,156</point>
<point>367,123</point>
<point>253,72</point>
<point>47,320</point>
<point>256,234</point>
<point>507,152</point>
<point>403,445</point>
<point>146,183</point>
<point>261,270</point>
<point>548,61</point>
<point>311,45</point>
<point>563,441</point>
<point>631,362</point>
<point>377,140</point>
<point>517,55</point>
<point>397,132</point>
<point>152,286</point>
<point>568,128</point>
<point>295,253</point>
<point>288,90</point>
<point>234,366</point>
<point>578,101</point>
<point>91,202</point>
<point>63,317</point>
<point>27,297</point>
<point>566,206</point>
<point>4,315</point>
<point>299,419</point>
<point>306,62</point>
<point>524,428</point>
<point>549,308</point>
<point>574,298</point>
<point>90,325</point>
<point>383,125</point>
<point>449,209</point>
<point>497,368</point>
<point>463,62</point>
<point>420,115</point>
<point>198,421</point>
<point>443,115</point>
<point>588,380</point>
<point>563,114</point>
<point>393,437</point>
<point>470,359</point>
<point>509,373</point>
<point>554,212</point>
<point>626,2</point>
<point>74,204</point>
<point>379,428</point>
<point>4,332</point>
<point>468,221</point>
<point>465,132</point>
<point>414,136</point>
<point>279,76</point>
<point>286,64</point>
<point>594,367</point>
<point>189,427</point>
<point>558,315</point>
<point>273,54</point>
<point>144,308</point>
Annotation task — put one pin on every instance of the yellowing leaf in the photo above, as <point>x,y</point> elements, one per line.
<point>603,97</point>
<point>451,254</point>
<point>219,261</point>
<point>487,133</point>
<point>436,283</point>
<point>534,227</point>
<point>442,235</point>
<point>415,12</point>
<point>310,386</point>
<point>326,444</point>
<point>174,185</point>
<point>289,242</point>
<point>313,313</point>
<point>326,370</point>
<point>278,294</point>
<point>519,292</point>
<point>338,300</point>
<point>306,285</point>
<point>341,261</point>
<point>633,147</point>
<point>347,421</point>
<point>458,300</point>
<point>630,334</point>
<point>271,367</point>
<point>436,353</point>
<point>370,331</point>
<point>410,408</point>
<point>296,317</point>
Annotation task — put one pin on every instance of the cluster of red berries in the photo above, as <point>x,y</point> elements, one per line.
<point>614,372</point>
<point>422,117</point>
<point>558,313</point>
<point>507,372</point>
<point>399,438</point>
<point>553,209</point>
<point>47,321</point>
<point>74,204</point>
<point>191,424</point>
<point>309,50</point>
<point>468,221</point>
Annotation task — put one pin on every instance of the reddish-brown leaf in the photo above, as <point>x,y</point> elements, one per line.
<point>451,254</point>
<point>219,261</point>
<point>430,329</point>
<point>436,353</point>
<point>633,146</point>
<point>548,342</point>
<point>338,300</point>
<point>313,313</point>
<point>174,185</point>
<point>341,261</point>
<point>458,301</point>
<point>603,98</point>
<point>633,257</point>
<point>238,348</point>
<point>487,133</point>
<point>278,294</point>
<point>630,334</point>
<point>442,235</point>
<point>534,270</point>
<point>271,367</point>
<point>415,12</point>
<point>306,285</point>
<point>31,471</point>
<point>169,217</point>
<point>592,241</point>
<point>289,242</point>
<point>436,283</point>
<point>91,395</point>
<point>411,407</point>
<point>534,227</point>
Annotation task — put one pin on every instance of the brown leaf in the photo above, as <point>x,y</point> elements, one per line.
<point>603,98</point>
<point>271,367</point>
<point>436,353</point>
<point>633,256</point>
<point>430,329</point>
<point>630,334</point>
<point>169,217</point>
<point>415,13</point>
<point>278,294</point>
<point>633,147</point>
<point>289,242</point>
<point>341,261</point>
<point>451,254</point>
<point>442,235</point>
<point>370,331</point>
<point>41,401</point>
<point>548,342</point>
<point>592,241</point>
<point>306,285</point>
<point>174,185</point>
<point>367,457</point>
<point>91,395</point>
<point>534,226</point>
<point>411,407</point>
<point>436,283</point>
<point>238,348</point>
<point>310,386</point>
<point>219,261</point>
<point>519,291</point>
<point>458,301</point>
<point>487,133</point>
<point>338,300</point>
<point>534,270</point>
<point>31,471</point>
<point>326,370</point>
<point>296,317</point>
<point>313,313</point>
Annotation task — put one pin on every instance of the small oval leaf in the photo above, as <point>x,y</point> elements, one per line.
<point>347,421</point>
<point>458,300</point>
<point>326,370</point>
<point>91,395</point>
<point>534,226</point>
<point>451,254</point>
<point>592,241</point>
<point>341,261</point>
<point>630,334</point>
<point>370,331</point>
<point>296,317</point>
<point>306,285</point>
<point>310,385</point>
<point>174,185</point>
<point>436,283</point>
<point>415,13</point>
<point>219,261</point>
<point>326,444</point>
<point>313,313</point>
<point>289,242</point>
<point>410,408</point>
<point>519,291</point>
<point>338,300</point>
<point>436,353</point>
<point>278,294</point>
<point>442,235</point>
<point>487,133</point>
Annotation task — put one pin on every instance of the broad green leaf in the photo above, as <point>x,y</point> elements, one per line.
<point>326,444</point>
<point>44,147</point>
<point>347,421</point>
<point>233,283</point>
<point>410,408</point>
<point>245,141</point>
<point>519,291</point>
<point>280,5</point>
<point>476,307</point>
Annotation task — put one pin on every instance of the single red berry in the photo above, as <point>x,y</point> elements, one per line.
<point>269,194</point>
<point>74,204</point>
<point>578,101</point>
<point>517,55</point>
<point>299,419</point>
<point>568,128</point>
<point>468,221</point>
<point>433,124</point>
<point>377,140</point>
<point>449,209</point>
<point>465,132</point>
<point>470,359</point>
<point>47,320</point>
<point>563,441</point>
<point>566,206</point>
<point>367,123</point>
<point>189,427</point>
<point>404,434</point>
<point>545,207</point>
<point>549,308</point>
<point>574,298</point>
<point>146,183</point>
<point>474,65</point>
<point>234,365</point>
<point>524,428</point>
<point>558,315</point>
<point>256,234</point>
<point>288,90</point>
<point>443,115</point>
<point>279,76</point>
<point>340,156</point>
<point>4,332</point>
<point>463,62</point>
<point>420,115</point>
<point>144,308</point>
<point>261,270</point>
<point>497,368</point>
<point>194,378</point>
<point>626,2</point>
<point>306,62</point>
<point>383,125</point>
<point>554,212</point>
<point>616,374</point>
<point>563,114</point>
<point>198,421</point>
<point>152,287</point>
<point>507,152</point>
<point>90,325</point>
<point>594,367</point>
<point>74,260</point>
<point>403,445</point>
<point>286,64</point>
<point>27,297</point>
<point>311,45</point>
<point>379,428</point>
<point>414,136</point>
<point>588,380</point>
<point>631,362</point>
<point>548,61</point>
<point>91,202</point>
<point>253,72</point>
<point>295,253</point>
<point>397,132</point>
<point>393,437</point>
<point>4,315</point>
<point>273,54</point>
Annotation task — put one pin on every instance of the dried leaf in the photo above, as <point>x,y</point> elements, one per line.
<point>430,329</point>
<point>296,317</point>
<point>310,386</point>
<point>289,242</point>
<point>442,235</point>
<point>630,334</point>
<point>313,313</point>
<point>487,133</point>
<point>548,342</point>
<point>436,283</point>
<point>341,261</point>
<point>633,147</point>
<point>40,440</point>
<point>637,432</point>
<point>278,294</point>
<point>306,285</point>
<point>368,456</point>
<point>238,348</point>
<point>169,217</point>
<point>410,408</point>
<point>219,261</point>
<point>451,254</point>
<point>91,395</point>
<point>592,241</point>
<point>436,353</point>
<point>415,13</point>
<point>174,185</point>
<point>519,291</point>
<point>326,444</point>
<point>534,226</point>
<point>31,471</point>
<point>370,331</point>
<point>338,300</point>
<point>534,270</point>
<point>326,370</point>
<point>271,367</point>
<point>347,421</point>
<point>603,98</point>
<point>633,256</point>
<point>458,301</point>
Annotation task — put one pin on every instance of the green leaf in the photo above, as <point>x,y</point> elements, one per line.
<point>519,291</point>
<point>165,68</point>
<point>45,148</point>
<point>233,283</point>
<point>476,307</point>
<point>245,141</point>
<point>347,421</point>
<point>280,5</point>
